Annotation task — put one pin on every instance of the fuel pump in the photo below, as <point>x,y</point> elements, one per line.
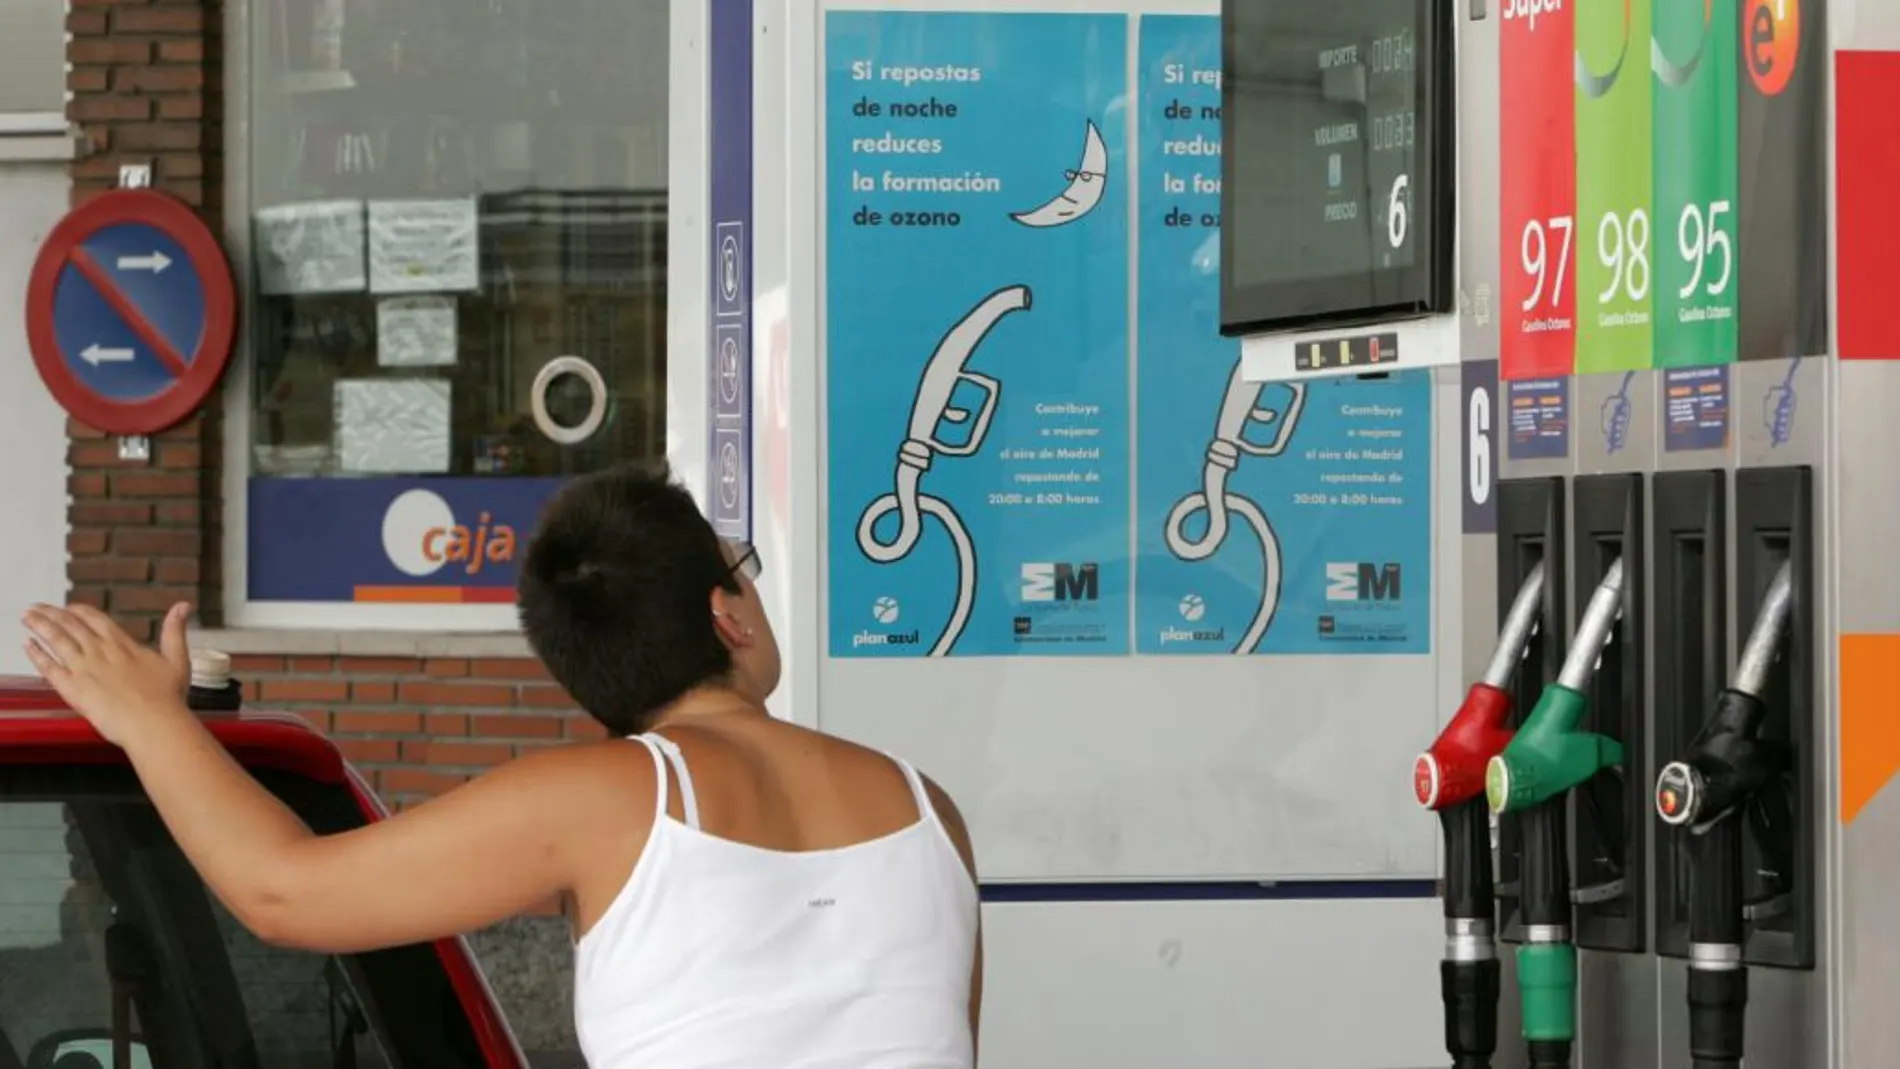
<point>1449,777</point>
<point>1547,758</point>
<point>1707,792</point>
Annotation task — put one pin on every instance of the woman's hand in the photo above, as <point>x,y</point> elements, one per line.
<point>104,674</point>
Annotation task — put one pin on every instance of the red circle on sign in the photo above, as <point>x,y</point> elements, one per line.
<point>206,363</point>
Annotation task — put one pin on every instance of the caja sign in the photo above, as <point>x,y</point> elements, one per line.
<point>422,536</point>
<point>400,540</point>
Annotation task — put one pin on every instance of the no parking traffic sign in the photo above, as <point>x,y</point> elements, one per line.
<point>131,312</point>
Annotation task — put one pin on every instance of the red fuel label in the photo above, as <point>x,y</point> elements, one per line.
<point>1537,198</point>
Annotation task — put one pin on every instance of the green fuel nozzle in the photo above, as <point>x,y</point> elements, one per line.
<point>1549,755</point>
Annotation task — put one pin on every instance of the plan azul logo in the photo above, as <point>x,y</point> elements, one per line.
<point>885,610</point>
<point>1192,608</point>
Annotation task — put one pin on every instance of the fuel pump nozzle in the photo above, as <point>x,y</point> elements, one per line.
<point>1452,771</point>
<point>1725,771</point>
<point>1548,757</point>
<point>1448,778</point>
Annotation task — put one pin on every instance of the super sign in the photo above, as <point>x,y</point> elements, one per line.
<point>131,312</point>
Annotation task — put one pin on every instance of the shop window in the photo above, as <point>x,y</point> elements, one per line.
<point>32,67</point>
<point>457,280</point>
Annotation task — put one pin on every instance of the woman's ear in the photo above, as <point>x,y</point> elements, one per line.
<point>731,629</point>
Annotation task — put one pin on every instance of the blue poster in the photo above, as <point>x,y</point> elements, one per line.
<point>977,368</point>
<point>1284,518</point>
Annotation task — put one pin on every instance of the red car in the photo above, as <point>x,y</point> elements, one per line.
<point>113,954</point>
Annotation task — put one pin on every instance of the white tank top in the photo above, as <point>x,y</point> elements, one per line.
<point>721,955</point>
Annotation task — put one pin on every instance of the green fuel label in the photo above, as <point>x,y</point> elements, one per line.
<point>1693,55</point>
<point>1616,273</point>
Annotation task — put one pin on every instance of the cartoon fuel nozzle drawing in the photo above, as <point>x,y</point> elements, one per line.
<point>1240,407</point>
<point>930,411</point>
<point>1087,181</point>
<point>1616,416</point>
<point>1778,408</point>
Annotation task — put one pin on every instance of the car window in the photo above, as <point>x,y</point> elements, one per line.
<point>109,939</point>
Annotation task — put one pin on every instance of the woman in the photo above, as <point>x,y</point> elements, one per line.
<point>743,892</point>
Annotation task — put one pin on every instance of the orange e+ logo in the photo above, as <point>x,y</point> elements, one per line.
<point>1771,41</point>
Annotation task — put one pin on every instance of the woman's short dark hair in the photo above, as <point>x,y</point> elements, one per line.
<point>615,594</point>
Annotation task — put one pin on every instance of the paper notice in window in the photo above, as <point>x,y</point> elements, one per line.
<point>415,331</point>
<point>311,248</point>
<point>424,246</point>
<point>392,426</point>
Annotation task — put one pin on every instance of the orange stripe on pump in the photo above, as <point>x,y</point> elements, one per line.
<point>411,595</point>
<point>1870,728</point>
<point>435,595</point>
<point>489,595</point>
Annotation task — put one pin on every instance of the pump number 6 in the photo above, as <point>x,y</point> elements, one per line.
<point>1478,447</point>
<point>1395,211</point>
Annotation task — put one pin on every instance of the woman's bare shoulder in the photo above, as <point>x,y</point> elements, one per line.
<point>613,766</point>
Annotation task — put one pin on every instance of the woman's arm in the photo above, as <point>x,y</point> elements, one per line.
<point>477,855</point>
<point>960,838</point>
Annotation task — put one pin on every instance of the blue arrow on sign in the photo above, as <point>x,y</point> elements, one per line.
<point>127,321</point>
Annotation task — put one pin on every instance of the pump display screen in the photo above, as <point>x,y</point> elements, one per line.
<point>1336,185</point>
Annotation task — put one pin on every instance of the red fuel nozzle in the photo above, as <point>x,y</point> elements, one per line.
<point>1452,771</point>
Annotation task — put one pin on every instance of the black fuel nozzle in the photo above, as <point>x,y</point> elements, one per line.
<point>1728,773</point>
<point>1728,763</point>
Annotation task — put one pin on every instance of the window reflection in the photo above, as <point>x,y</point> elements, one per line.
<point>448,195</point>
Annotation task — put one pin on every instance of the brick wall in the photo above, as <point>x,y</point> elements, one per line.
<point>147,85</point>
<point>417,727</point>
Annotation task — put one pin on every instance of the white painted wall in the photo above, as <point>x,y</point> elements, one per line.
<point>33,465</point>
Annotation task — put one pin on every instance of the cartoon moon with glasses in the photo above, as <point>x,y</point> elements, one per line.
<point>934,417</point>
<point>1087,182</point>
<point>1241,406</point>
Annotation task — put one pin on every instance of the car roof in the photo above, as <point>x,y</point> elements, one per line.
<point>38,727</point>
